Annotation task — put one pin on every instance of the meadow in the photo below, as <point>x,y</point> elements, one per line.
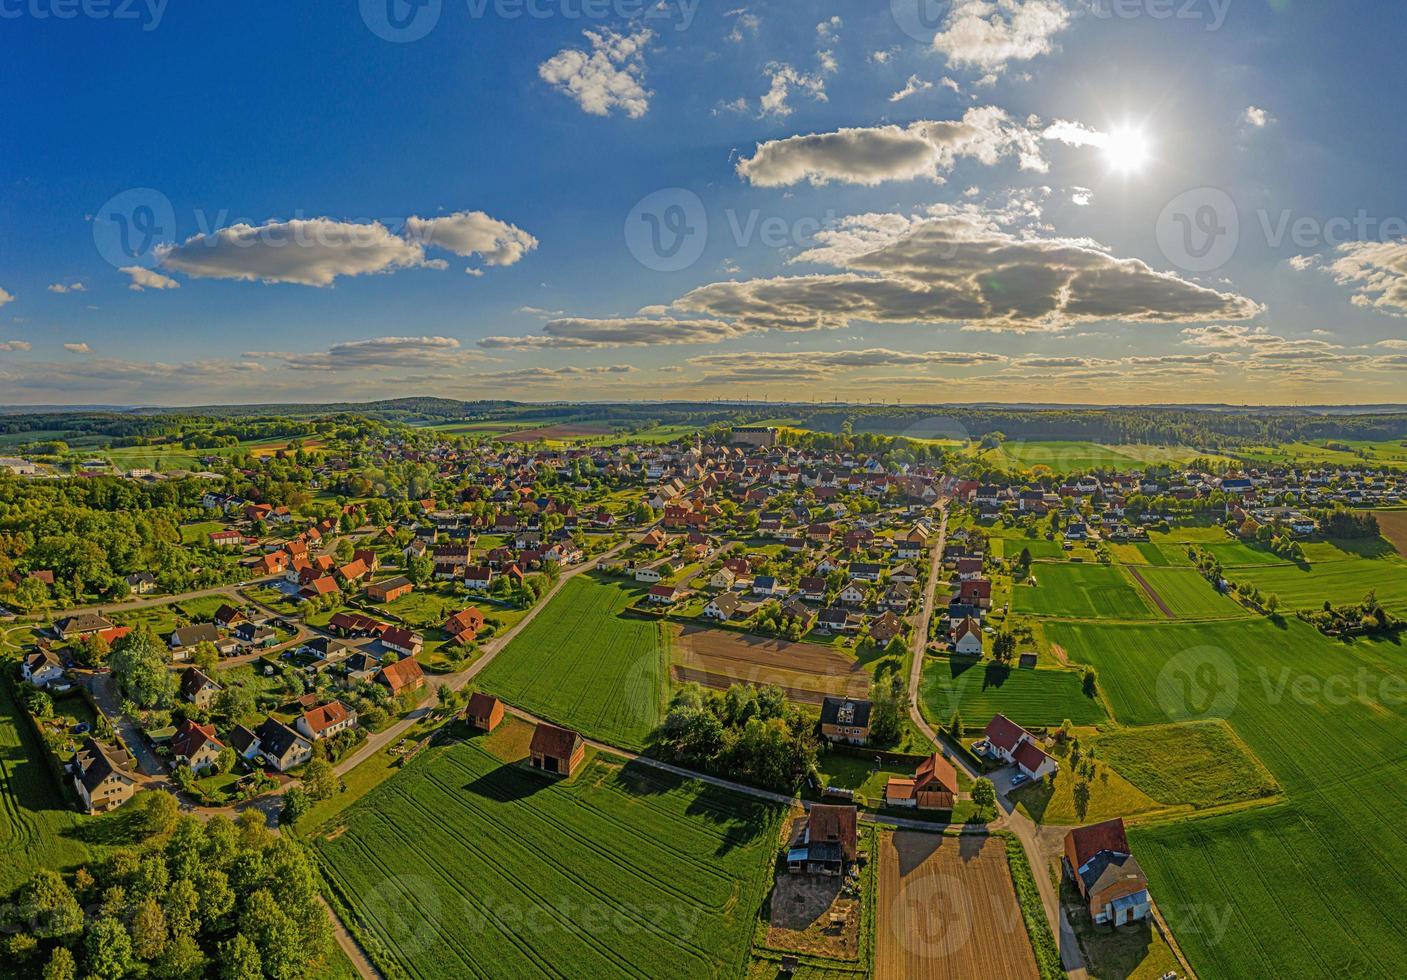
<point>1068,456</point>
<point>471,865</point>
<point>1346,580</point>
<point>1188,595</point>
<point>585,663</point>
<point>38,829</point>
<point>1197,764</point>
<point>1313,886</point>
<point>981,689</point>
<point>1082,591</point>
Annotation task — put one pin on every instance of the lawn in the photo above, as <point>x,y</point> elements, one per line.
<point>585,663</point>
<point>467,864</point>
<point>1082,591</point>
<point>424,608</point>
<point>1065,799</point>
<point>37,827</point>
<point>1309,887</point>
<point>981,689</point>
<point>1189,595</point>
<point>199,532</point>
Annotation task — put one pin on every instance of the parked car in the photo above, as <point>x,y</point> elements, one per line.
<point>1018,779</point>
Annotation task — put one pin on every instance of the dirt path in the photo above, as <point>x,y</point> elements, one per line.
<point>355,954</point>
<point>1152,592</point>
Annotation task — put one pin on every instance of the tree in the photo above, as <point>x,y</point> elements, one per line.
<point>320,780</point>
<point>421,569</point>
<point>60,965</point>
<point>1090,683</point>
<point>149,932</point>
<point>139,666</point>
<point>984,794</point>
<point>1272,603</point>
<point>1004,646</point>
<point>182,959</point>
<point>205,656</point>
<point>240,959</point>
<point>47,899</point>
<point>158,812</point>
<point>889,705</point>
<point>296,804</point>
<point>955,727</point>
<point>108,949</point>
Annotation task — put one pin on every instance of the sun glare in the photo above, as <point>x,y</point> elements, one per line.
<point>1126,149</point>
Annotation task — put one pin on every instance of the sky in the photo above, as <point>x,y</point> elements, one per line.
<point>917,201</point>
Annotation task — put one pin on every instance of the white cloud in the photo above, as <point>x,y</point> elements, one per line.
<point>6,297</point>
<point>1303,263</point>
<point>876,154</point>
<point>745,24</point>
<point>987,34</point>
<point>1081,196</point>
<point>881,57</point>
<point>608,77</point>
<point>960,268</point>
<point>636,331</point>
<point>78,348</point>
<point>828,30</point>
<point>1377,274</point>
<point>377,353</point>
<point>62,288</point>
<point>1074,134</point>
<point>10,346</point>
<point>310,252</point>
<point>143,278</point>
<point>948,83</point>
<point>468,233</point>
<point>1259,118</point>
<point>913,86</point>
<point>1229,335</point>
<point>550,376</point>
<point>783,77</point>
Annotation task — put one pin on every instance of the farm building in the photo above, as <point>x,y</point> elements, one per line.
<point>934,786</point>
<point>1098,860</point>
<point>484,711</point>
<point>556,750</point>
<point>401,676</point>
<point>826,842</point>
<point>389,590</point>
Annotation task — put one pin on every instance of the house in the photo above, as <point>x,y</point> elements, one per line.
<point>188,637</point>
<point>196,746</point>
<point>886,628</point>
<point>283,748</point>
<point>356,624</point>
<point>226,539</point>
<point>837,620</point>
<point>322,585</point>
<point>141,583</point>
<point>967,638</point>
<point>975,592</point>
<point>256,635</point>
<point>244,742</point>
<point>1098,860</point>
<point>897,597</point>
<point>723,579</point>
<point>401,676</point>
<point>100,777</point>
<point>853,594</point>
<point>663,595</point>
<point>326,720</point>
<point>723,607</point>
<point>846,720</point>
<point>407,643</point>
<point>969,568</point>
<point>1011,743</point>
<point>354,571</point>
<point>464,627</point>
<point>826,842</point>
<point>478,577</point>
<point>228,616</point>
<point>649,576</point>
<point>389,590</point>
<point>812,588</point>
<point>197,688</point>
<point>81,625</point>
<point>484,711</point>
<point>934,786</point>
<point>767,585</point>
<point>556,750</point>
<point>42,667</point>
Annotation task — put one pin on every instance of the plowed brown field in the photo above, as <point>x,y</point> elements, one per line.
<point>807,671</point>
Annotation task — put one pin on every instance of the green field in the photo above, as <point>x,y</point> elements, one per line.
<point>1067,456</point>
<point>1082,591</point>
<point>1310,887</point>
<point>981,689</point>
<point>1358,452</point>
<point>1199,764</point>
<point>1188,594</point>
<point>465,865</point>
<point>584,663</point>
<point>37,827</point>
<point>1343,581</point>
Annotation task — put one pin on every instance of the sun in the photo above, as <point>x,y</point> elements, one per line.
<point>1126,149</point>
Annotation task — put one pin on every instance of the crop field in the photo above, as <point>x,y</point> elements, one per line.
<point>583,663</point>
<point>1347,580</point>
<point>1354,451</point>
<point>468,865</point>
<point>1038,547</point>
<point>1067,456</point>
<point>37,827</point>
<point>1393,524</point>
<point>1028,697</point>
<point>808,671</point>
<point>1198,764</point>
<point>1313,886</point>
<point>1082,591</point>
<point>949,910</point>
<point>558,433</point>
<point>1186,594</point>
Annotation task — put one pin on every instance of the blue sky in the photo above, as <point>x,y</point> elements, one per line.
<point>1117,201</point>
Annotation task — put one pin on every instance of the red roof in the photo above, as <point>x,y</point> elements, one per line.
<point>936,774</point>
<point>325,716</point>
<point>402,637</point>
<point>402,674</point>
<point>1004,733</point>
<point>1029,756</point>
<point>557,743</point>
<point>1106,836</point>
<point>190,737</point>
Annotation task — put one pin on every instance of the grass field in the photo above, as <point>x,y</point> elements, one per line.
<point>581,662</point>
<point>37,827</point>
<point>1346,580</point>
<point>468,865</point>
<point>1310,887</point>
<point>1358,452</point>
<point>1188,595</point>
<point>1067,456</point>
<point>981,689</point>
<point>1082,591</point>
<point>1198,764</point>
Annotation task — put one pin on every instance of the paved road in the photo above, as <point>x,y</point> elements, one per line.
<point>1040,844</point>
